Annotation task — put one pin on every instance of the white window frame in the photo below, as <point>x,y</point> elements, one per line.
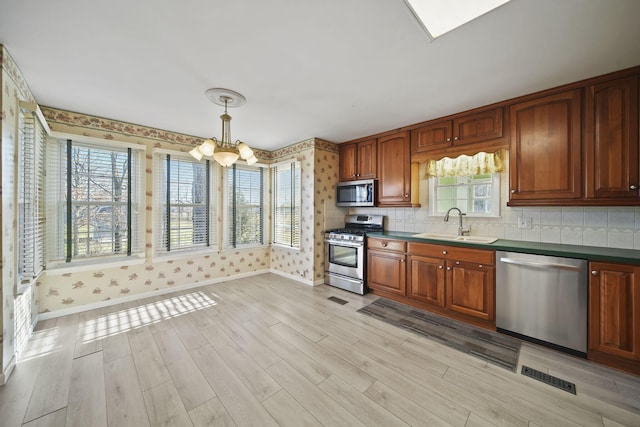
<point>56,188</point>
<point>463,203</point>
<point>30,172</point>
<point>228,199</point>
<point>160,205</point>
<point>293,236</point>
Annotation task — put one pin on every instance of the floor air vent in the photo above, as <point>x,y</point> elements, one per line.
<point>549,379</point>
<point>338,300</point>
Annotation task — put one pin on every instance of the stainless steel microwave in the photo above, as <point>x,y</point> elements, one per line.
<point>356,193</point>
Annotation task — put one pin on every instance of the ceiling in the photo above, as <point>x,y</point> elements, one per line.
<point>332,69</point>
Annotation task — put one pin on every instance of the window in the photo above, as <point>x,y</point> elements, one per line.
<point>186,211</point>
<point>475,195</point>
<point>31,205</point>
<point>286,204</point>
<point>97,200</point>
<point>244,205</point>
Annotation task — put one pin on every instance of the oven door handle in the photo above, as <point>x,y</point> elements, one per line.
<point>348,245</point>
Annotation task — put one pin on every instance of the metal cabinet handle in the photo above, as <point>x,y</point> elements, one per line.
<point>455,138</point>
<point>480,265</point>
<point>402,260</point>
<point>513,191</point>
<point>448,139</point>
<point>440,267</point>
<point>594,272</point>
<point>444,252</point>
<point>448,268</point>
<point>384,244</point>
<point>633,187</point>
<point>457,262</point>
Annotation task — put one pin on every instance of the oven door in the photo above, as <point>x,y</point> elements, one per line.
<point>345,258</point>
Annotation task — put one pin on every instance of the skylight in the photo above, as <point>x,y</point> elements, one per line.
<point>442,16</point>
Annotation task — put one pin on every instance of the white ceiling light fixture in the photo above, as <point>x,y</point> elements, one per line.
<point>224,151</point>
<point>441,16</point>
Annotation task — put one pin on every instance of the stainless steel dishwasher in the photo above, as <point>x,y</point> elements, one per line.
<point>543,299</point>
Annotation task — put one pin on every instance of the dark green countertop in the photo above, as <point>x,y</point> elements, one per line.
<point>591,253</point>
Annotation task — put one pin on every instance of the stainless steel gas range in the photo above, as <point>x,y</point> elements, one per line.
<point>345,252</point>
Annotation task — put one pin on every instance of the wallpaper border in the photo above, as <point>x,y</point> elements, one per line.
<point>13,71</point>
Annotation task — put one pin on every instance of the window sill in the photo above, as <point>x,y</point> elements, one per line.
<point>285,247</point>
<point>183,254</point>
<point>60,268</point>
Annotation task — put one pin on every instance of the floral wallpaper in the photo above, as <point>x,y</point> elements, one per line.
<point>319,167</point>
<point>18,311</point>
<point>58,291</point>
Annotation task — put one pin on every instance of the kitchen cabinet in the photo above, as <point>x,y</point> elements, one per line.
<point>545,156</point>
<point>358,160</point>
<point>395,171</point>
<point>614,315</point>
<point>453,279</point>
<point>386,265</point>
<point>611,140</point>
<point>426,280</point>
<point>460,131</point>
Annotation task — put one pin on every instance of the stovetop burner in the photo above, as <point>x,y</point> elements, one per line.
<point>356,227</point>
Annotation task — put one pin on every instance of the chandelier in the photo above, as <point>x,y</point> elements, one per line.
<point>224,151</point>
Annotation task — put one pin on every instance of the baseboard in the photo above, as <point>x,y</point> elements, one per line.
<point>292,277</point>
<point>129,298</point>
<point>6,372</point>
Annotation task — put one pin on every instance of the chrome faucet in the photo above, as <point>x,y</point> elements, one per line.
<point>461,230</point>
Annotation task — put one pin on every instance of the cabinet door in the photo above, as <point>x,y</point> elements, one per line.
<point>545,158</point>
<point>478,127</point>
<point>611,139</point>
<point>614,311</point>
<point>367,159</point>
<point>387,271</point>
<point>431,137</point>
<point>471,289</point>
<point>425,282</point>
<point>348,159</point>
<point>394,170</point>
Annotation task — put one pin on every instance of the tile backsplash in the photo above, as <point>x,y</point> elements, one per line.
<point>614,227</point>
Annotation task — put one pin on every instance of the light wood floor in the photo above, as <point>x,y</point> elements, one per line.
<point>267,351</point>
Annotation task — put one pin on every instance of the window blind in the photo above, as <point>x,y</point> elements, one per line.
<point>99,204</point>
<point>31,203</point>
<point>186,209</point>
<point>244,205</point>
<point>286,204</point>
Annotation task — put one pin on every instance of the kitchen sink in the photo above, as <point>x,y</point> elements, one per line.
<point>452,238</point>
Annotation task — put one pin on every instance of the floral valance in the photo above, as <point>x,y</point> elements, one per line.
<point>466,165</point>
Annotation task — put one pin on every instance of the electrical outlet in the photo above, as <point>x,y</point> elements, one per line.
<point>525,222</point>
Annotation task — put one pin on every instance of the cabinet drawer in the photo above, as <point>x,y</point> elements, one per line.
<point>481,256</point>
<point>387,244</point>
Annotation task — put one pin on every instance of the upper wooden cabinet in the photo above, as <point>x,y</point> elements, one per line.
<point>358,160</point>
<point>545,156</point>
<point>460,131</point>
<point>614,315</point>
<point>394,170</point>
<point>611,140</point>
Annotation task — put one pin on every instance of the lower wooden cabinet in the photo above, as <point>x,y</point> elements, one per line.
<point>426,280</point>
<point>454,281</point>
<point>614,315</point>
<point>471,289</point>
<point>386,265</point>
